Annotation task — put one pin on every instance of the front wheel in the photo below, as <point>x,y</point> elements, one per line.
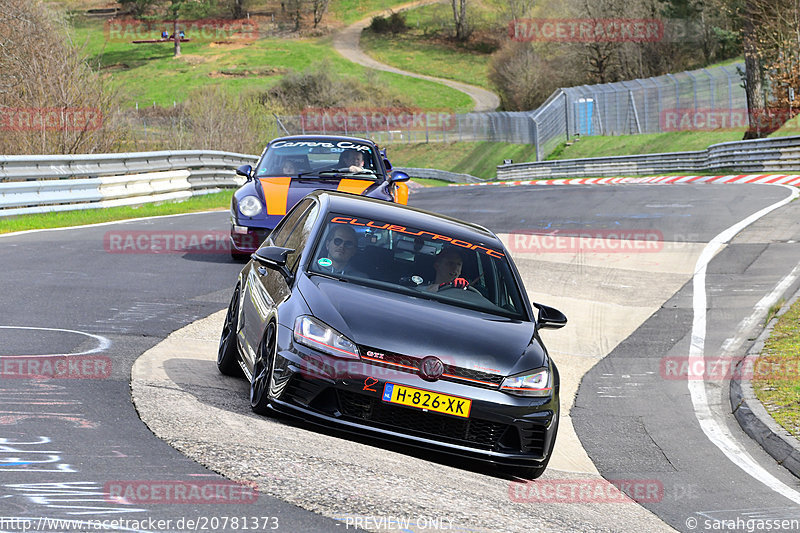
<point>228,353</point>
<point>262,371</point>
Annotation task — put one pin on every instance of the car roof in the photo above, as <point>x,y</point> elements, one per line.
<point>323,138</point>
<point>381,210</point>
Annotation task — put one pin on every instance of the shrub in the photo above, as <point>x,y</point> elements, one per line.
<point>394,24</point>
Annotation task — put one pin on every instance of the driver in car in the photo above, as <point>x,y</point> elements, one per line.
<point>353,160</point>
<point>448,271</point>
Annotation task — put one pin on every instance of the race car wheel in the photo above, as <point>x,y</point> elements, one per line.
<point>262,371</point>
<point>228,353</point>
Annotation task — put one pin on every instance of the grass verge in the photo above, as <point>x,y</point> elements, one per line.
<point>63,219</point>
<point>776,376</point>
<point>651,143</point>
<point>430,182</point>
<point>251,65</point>
<point>476,158</point>
<point>419,50</point>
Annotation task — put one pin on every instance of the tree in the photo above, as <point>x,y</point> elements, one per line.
<point>138,7</point>
<point>238,8</point>
<point>319,7</point>
<point>460,19</point>
<point>54,103</point>
<point>173,9</point>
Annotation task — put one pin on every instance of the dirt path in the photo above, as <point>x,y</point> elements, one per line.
<point>346,42</point>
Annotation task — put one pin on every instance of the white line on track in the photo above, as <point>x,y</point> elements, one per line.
<point>713,425</point>
<point>102,342</point>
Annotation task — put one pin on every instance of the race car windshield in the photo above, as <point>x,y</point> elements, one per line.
<point>418,263</point>
<point>309,157</point>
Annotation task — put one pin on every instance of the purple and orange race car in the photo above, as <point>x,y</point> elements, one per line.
<point>292,167</point>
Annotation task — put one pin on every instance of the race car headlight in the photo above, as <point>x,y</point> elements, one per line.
<point>537,384</point>
<point>250,206</point>
<point>318,335</point>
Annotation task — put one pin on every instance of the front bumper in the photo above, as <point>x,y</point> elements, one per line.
<point>246,240</point>
<point>346,394</point>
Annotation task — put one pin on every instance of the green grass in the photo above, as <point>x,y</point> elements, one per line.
<point>430,182</point>
<point>476,158</point>
<point>776,376</point>
<point>147,73</point>
<point>63,219</point>
<point>678,141</point>
<point>349,11</point>
<point>415,51</point>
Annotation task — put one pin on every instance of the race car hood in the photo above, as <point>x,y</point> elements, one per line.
<point>398,323</point>
<point>282,193</point>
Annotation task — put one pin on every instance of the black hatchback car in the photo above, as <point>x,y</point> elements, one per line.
<point>377,318</point>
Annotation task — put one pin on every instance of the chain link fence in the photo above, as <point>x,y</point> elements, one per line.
<point>651,105</point>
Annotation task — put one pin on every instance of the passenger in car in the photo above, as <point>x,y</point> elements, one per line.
<point>340,247</point>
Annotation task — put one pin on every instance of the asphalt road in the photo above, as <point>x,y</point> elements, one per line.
<point>66,441</point>
<point>65,444</point>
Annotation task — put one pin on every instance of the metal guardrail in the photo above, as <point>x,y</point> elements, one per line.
<point>760,155</point>
<point>432,173</point>
<point>37,184</point>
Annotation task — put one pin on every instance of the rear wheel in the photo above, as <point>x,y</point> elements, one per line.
<point>262,371</point>
<point>228,353</point>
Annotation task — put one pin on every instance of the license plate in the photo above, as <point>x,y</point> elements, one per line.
<point>426,400</point>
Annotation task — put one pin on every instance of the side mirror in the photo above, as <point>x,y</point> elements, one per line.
<point>387,164</point>
<point>245,170</point>
<point>550,317</point>
<point>398,176</point>
<point>274,257</point>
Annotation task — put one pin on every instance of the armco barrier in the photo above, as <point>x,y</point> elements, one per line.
<point>780,154</point>
<point>38,184</point>
<point>432,173</point>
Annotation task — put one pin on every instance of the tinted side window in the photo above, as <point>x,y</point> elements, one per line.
<point>299,236</point>
<point>281,232</point>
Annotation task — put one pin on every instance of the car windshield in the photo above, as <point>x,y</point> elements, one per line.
<point>418,263</point>
<point>295,157</point>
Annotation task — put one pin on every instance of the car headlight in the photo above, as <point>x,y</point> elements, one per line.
<point>250,206</point>
<point>316,334</point>
<point>536,384</point>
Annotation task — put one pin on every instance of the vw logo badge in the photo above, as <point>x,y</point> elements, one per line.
<point>431,368</point>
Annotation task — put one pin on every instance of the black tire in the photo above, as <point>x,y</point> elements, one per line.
<point>228,353</point>
<point>262,371</point>
<point>239,258</point>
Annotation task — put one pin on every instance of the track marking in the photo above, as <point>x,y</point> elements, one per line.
<point>102,342</point>
<point>713,426</point>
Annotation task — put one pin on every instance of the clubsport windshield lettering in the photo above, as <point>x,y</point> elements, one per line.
<point>419,263</point>
<point>310,157</point>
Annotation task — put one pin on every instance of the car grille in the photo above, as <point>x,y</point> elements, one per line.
<point>474,432</point>
<point>410,364</point>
